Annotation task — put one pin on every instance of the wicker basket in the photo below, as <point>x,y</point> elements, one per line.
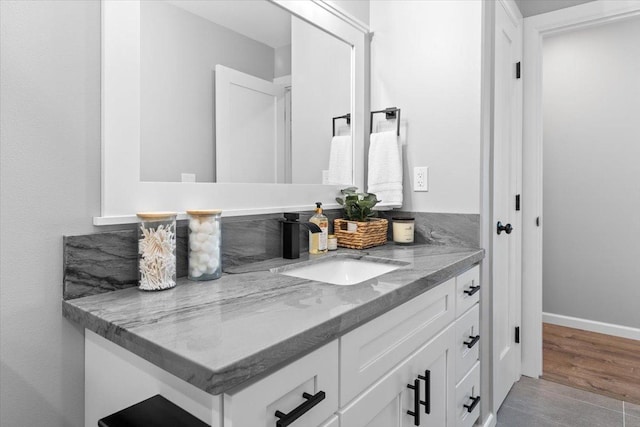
<point>369,233</point>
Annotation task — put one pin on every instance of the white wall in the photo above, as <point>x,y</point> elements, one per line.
<point>320,90</point>
<point>178,53</point>
<point>282,65</point>
<point>425,59</point>
<point>50,186</point>
<point>591,241</point>
<point>358,9</point>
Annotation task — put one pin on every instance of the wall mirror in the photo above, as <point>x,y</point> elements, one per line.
<point>238,91</point>
<point>228,104</point>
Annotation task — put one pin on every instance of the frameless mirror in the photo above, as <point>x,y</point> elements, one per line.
<point>240,92</point>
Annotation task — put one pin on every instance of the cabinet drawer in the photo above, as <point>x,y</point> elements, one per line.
<point>370,351</point>
<point>386,402</point>
<point>467,334</point>
<point>467,392</point>
<point>283,390</point>
<point>467,283</point>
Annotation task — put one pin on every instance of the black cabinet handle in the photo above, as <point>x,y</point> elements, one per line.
<point>416,402</point>
<point>427,391</point>
<point>312,400</point>
<point>473,405</point>
<point>472,290</point>
<point>473,341</point>
<point>506,228</point>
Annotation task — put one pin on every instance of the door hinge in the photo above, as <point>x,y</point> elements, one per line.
<point>517,202</point>
<point>517,334</point>
<point>518,70</point>
<point>538,221</point>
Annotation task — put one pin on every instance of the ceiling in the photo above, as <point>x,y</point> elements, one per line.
<point>256,19</point>
<point>536,7</point>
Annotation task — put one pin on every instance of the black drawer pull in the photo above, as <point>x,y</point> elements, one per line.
<point>473,405</point>
<point>472,290</point>
<point>427,391</point>
<point>416,402</point>
<point>304,407</point>
<point>473,341</point>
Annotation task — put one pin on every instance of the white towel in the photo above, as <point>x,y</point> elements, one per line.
<point>385,168</point>
<point>341,161</point>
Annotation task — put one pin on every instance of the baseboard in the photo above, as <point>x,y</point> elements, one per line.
<point>489,422</point>
<point>592,326</point>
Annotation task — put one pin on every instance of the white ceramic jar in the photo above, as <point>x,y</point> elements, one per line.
<point>205,238</point>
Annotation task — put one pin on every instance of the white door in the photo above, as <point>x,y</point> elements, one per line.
<point>249,122</point>
<point>507,170</point>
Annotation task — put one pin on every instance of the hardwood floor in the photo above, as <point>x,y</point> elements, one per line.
<point>598,363</point>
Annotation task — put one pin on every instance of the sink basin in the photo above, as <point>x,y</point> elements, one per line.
<point>341,269</point>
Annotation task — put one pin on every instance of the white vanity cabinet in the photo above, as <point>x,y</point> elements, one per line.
<point>416,365</point>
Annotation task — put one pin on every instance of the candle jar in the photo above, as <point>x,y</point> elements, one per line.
<point>332,242</point>
<point>156,251</point>
<point>205,236</point>
<point>403,230</point>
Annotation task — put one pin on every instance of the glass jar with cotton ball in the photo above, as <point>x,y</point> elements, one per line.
<point>205,238</point>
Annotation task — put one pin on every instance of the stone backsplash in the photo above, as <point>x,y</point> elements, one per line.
<point>107,261</point>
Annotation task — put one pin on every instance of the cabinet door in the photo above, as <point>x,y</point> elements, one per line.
<point>308,385</point>
<point>386,402</point>
<point>370,351</point>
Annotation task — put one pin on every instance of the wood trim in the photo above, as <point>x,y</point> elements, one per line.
<point>592,326</point>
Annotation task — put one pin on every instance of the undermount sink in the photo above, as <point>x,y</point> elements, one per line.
<point>341,269</point>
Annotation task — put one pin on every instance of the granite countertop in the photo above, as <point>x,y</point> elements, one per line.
<point>220,335</point>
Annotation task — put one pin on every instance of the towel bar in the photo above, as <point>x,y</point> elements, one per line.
<point>346,116</point>
<point>389,113</point>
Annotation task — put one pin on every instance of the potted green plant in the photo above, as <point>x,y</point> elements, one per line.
<point>360,228</point>
<point>357,206</point>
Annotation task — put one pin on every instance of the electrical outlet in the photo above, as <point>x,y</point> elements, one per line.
<point>421,178</point>
<point>188,177</point>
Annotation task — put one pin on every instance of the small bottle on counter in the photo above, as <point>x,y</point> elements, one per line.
<point>403,230</point>
<point>332,242</point>
<point>205,236</point>
<point>156,251</point>
<point>318,241</point>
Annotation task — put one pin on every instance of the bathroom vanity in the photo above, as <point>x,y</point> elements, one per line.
<point>256,347</point>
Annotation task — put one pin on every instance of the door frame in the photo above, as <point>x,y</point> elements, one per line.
<point>536,28</point>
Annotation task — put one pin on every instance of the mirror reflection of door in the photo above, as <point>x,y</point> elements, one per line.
<point>250,138</point>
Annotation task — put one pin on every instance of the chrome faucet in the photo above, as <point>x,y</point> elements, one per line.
<point>291,234</point>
